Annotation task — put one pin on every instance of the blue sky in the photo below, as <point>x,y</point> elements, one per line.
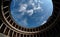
<point>31,13</point>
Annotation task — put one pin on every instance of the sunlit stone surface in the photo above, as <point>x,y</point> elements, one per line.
<point>31,13</point>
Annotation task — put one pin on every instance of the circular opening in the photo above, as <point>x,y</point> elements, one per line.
<point>31,13</point>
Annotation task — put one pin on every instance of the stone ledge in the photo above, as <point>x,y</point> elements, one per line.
<point>2,35</point>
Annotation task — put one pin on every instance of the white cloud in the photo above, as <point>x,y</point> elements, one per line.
<point>40,2</point>
<point>30,1</point>
<point>36,1</point>
<point>23,7</point>
<point>30,12</point>
<point>38,8</point>
<point>33,4</point>
<point>43,22</point>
